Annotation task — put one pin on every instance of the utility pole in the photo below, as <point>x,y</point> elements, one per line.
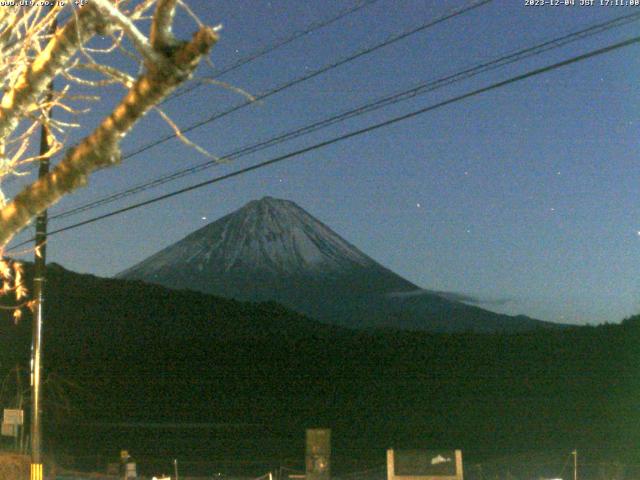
<point>39,279</point>
<point>575,464</point>
<point>20,432</point>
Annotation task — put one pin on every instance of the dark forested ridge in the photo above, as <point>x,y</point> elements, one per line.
<point>142,354</point>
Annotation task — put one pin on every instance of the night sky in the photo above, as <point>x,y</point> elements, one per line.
<point>525,197</point>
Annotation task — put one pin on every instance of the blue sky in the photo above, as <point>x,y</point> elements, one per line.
<point>525,197</point>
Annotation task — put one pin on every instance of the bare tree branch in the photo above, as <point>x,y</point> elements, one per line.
<point>32,83</point>
<point>161,28</point>
<point>101,148</point>
<point>152,56</point>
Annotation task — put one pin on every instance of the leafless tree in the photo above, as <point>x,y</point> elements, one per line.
<point>35,50</point>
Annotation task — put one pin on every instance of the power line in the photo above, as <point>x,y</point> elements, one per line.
<point>352,134</point>
<point>271,48</point>
<point>304,78</point>
<point>309,76</point>
<point>366,108</point>
<point>281,43</point>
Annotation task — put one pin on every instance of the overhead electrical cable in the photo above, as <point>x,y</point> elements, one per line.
<point>315,73</point>
<point>422,88</point>
<point>275,46</point>
<point>354,133</point>
<point>309,76</point>
<point>264,51</point>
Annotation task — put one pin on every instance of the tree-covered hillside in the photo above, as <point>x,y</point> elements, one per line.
<point>258,375</point>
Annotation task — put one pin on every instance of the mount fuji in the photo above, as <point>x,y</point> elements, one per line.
<point>273,250</point>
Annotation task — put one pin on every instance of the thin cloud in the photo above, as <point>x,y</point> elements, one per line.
<point>455,297</point>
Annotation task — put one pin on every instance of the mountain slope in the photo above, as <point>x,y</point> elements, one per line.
<point>241,381</point>
<point>272,249</point>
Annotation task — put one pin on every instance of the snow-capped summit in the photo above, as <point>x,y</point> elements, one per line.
<point>267,238</point>
<point>269,235</point>
<point>271,249</point>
